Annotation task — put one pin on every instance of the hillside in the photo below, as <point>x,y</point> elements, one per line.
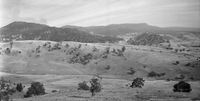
<point>61,66</point>
<point>32,31</point>
<point>121,29</point>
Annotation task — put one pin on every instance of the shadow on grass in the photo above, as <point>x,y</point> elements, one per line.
<point>80,97</point>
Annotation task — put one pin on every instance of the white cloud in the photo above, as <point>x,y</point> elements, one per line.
<point>184,13</point>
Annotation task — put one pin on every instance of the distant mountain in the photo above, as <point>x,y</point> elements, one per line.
<point>121,29</point>
<point>32,31</point>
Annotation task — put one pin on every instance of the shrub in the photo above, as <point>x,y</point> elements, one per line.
<point>176,63</point>
<point>95,86</point>
<point>53,91</point>
<point>35,89</point>
<point>188,64</point>
<point>83,86</point>
<point>107,50</point>
<point>95,49</point>
<point>182,86</point>
<point>138,82</point>
<point>108,67</point>
<point>131,72</point>
<point>181,77</point>
<point>154,74</point>
<point>19,87</point>
<point>8,51</point>
<point>123,48</point>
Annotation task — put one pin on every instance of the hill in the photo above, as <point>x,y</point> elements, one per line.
<point>33,31</point>
<point>121,29</point>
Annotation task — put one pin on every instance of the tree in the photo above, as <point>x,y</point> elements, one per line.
<point>138,82</point>
<point>95,86</point>
<point>182,86</point>
<point>35,89</point>
<point>19,87</point>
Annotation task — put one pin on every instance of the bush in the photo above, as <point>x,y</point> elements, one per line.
<point>176,63</point>
<point>123,48</point>
<point>53,91</point>
<point>131,72</point>
<point>181,77</point>
<point>188,64</point>
<point>154,74</point>
<point>138,82</point>
<point>83,86</point>
<point>108,67</point>
<point>19,87</point>
<point>182,87</point>
<point>35,89</point>
<point>95,86</point>
<point>8,51</point>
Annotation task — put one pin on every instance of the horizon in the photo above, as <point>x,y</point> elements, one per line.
<point>99,25</point>
<point>161,13</point>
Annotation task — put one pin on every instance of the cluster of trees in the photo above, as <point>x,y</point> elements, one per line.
<point>7,89</point>
<point>146,39</point>
<point>95,85</point>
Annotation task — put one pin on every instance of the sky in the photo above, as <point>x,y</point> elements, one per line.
<point>162,13</point>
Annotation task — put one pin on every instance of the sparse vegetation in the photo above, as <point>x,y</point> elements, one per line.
<point>182,86</point>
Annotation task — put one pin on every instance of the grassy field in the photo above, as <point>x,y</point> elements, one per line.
<point>52,67</point>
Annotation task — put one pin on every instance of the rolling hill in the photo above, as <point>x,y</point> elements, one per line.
<point>121,29</point>
<point>33,31</point>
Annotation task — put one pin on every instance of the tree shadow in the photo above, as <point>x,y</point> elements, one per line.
<point>80,97</point>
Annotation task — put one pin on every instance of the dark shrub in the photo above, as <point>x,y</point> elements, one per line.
<point>154,74</point>
<point>123,48</point>
<point>108,67</point>
<point>188,64</point>
<point>8,51</point>
<point>35,89</point>
<point>182,86</point>
<point>19,87</point>
<point>95,86</point>
<point>176,63</point>
<point>168,79</point>
<point>83,86</point>
<point>138,82</point>
<point>53,91</point>
<point>181,77</point>
<point>191,78</point>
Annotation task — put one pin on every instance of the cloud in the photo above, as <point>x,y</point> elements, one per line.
<point>184,13</point>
